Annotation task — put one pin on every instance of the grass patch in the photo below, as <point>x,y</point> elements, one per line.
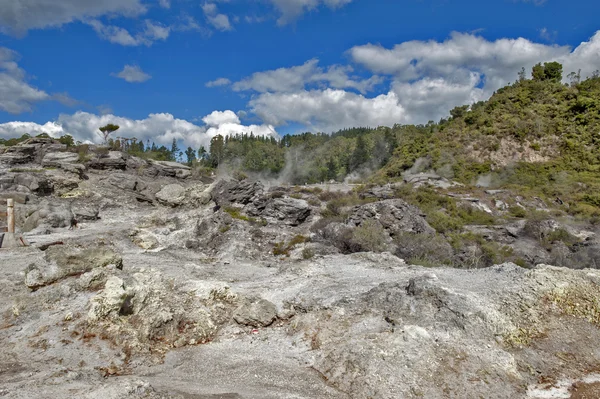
<point>582,301</point>
<point>283,249</point>
<point>236,214</point>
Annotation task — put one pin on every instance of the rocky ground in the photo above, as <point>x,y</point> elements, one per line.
<point>170,287</point>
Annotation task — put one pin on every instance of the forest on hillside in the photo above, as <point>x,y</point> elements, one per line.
<point>538,134</point>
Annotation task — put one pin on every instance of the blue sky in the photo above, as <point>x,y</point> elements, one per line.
<point>190,69</point>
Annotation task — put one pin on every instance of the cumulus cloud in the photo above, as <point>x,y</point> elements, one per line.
<point>432,77</point>
<point>217,118</point>
<point>217,20</point>
<point>427,79</point>
<point>19,16</point>
<point>17,95</point>
<point>292,9</point>
<point>132,74</point>
<point>218,82</point>
<point>328,109</point>
<point>160,128</point>
<point>298,77</point>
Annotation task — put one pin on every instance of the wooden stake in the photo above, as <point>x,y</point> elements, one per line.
<point>10,204</point>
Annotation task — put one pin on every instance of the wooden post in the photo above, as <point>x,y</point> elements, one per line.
<point>10,214</point>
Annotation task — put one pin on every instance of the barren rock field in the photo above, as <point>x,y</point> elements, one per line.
<point>144,281</point>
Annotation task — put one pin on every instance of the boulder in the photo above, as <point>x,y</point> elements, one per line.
<point>112,160</point>
<point>395,215</point>
<point>126,182</point>
<point>19,154</point>
<point>228,192</point>
<point>55,159</point>
<point>85,211</point>
<point>169,169</point>
<point>49,214</point>
<point>256,313</point>
<point>291,211</point>
<point>171,195</point>
<point>148,314</point>
<point>65,261</point>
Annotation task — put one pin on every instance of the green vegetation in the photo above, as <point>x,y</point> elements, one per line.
<point>106,131</point>
<point>283,249</point>
<point>236,214</point>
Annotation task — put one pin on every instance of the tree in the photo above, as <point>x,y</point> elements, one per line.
<point>538,72</point>
<point>522,74</point>
<point>217,149</point>
<point>553,71</point>
<point>201,152</point>
<point>575,78</point>
<point>549,71</point>
<point>174,150</point>
<point>459,111</point>
<point>66,139</point>
<point>107,130</point>
<point>190,153</point>
<point>360,154</point>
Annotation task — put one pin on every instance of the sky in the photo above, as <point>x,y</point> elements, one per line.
<point>190,69</point>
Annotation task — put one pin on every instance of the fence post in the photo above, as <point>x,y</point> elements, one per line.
<point>10,214</point>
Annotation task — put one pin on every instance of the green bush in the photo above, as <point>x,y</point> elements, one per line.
<point>370,236</point>
<point>283,248</point>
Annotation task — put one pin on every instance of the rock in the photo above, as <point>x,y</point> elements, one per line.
<point>197,195</point>
<point>148,314</point>
<point>85,211</point>
<point>395,216</point>
<point>20,198</point>
<point>126,182</point>
<point>19,154</point>
<point>144,239</point>
<point>110,301</point>
<point>256,313</point>
<point>169,169</point>
<point>171,195</point>
<point>228,192</point>
<point>291,211</point>
<point>380,192</point>
<point>49,214</point>
<point>56,159</point>
<point>65,261</point>
<point>431,179</point>
<point>112,160</point>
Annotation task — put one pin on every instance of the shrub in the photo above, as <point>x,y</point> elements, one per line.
<point>308,253</point>
<point>281,248</point>
<point>424,250</point>
<point>370,236</point>
<point>517,211</point>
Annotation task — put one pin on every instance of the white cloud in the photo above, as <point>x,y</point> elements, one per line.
<point>217,118</point>
<point>17,129</point>
<point>19,16</point>
<point>132,74</point>
<point>156,31</point>
<point>115,34</point>
<point>428,78</point>
<point>218,82</point>
<point>160,128</point>
<point>292,9</point>
<point>414,59</point>
<point>298,77</point>
<point>165,3</point>
<point>217,20</point>
<point>328,109</point>
<point>17,95</point>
